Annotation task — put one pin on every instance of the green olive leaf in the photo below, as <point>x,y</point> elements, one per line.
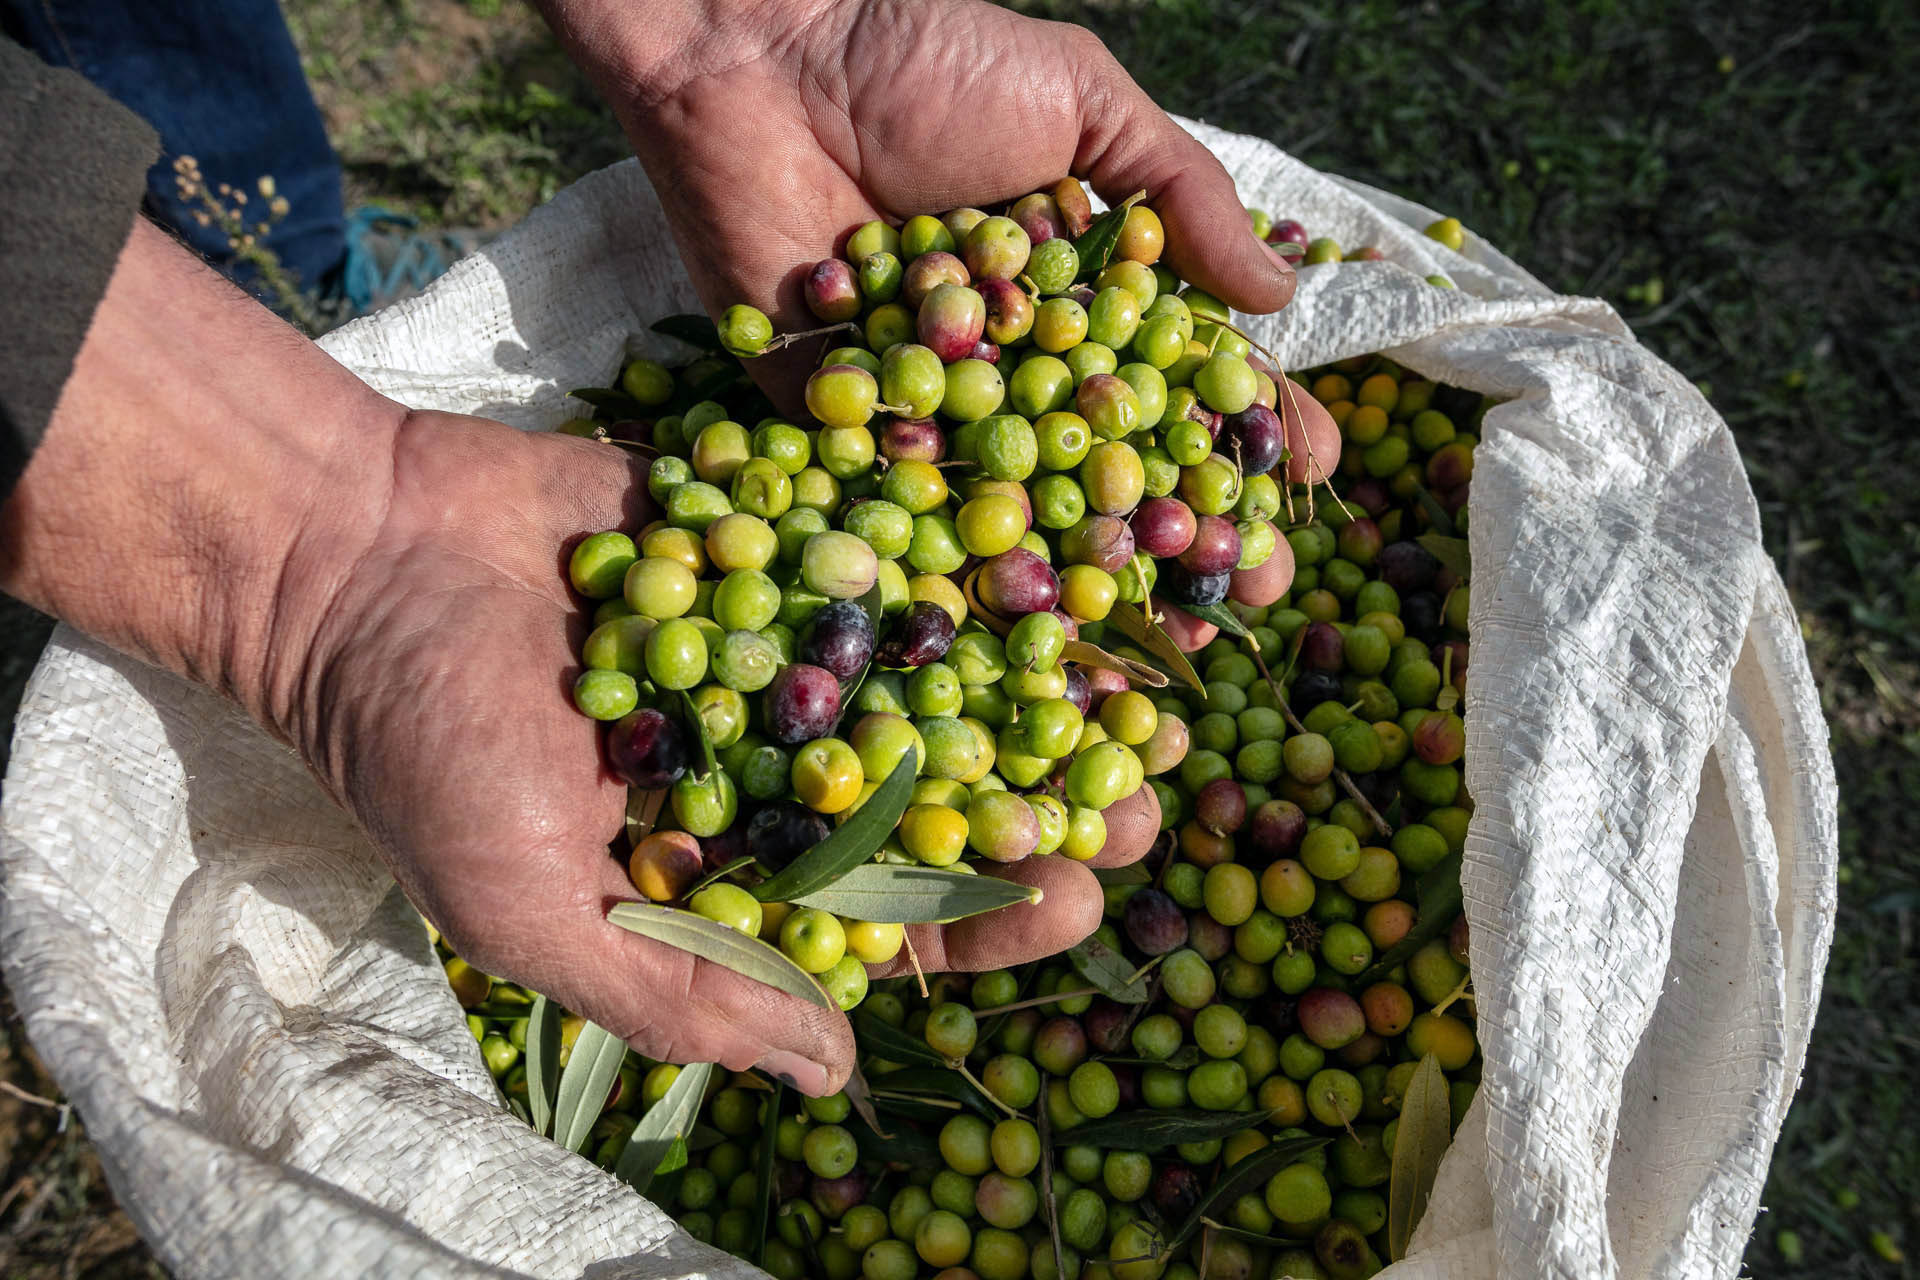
<point>591,1069</point>
<point>939,1082</point>
<point>885,1040</point>
<point>694,330</point>
<point>1247,1175</point>
<point>1096,245</point>
<point>852,842</point>
<point>609,404</point>
<point>1111,972</point>
<point>1138,628</point>
<point>1426,1117</point>
<point>543,1062</point>
<point>861,1097</point>
<point>913,895</point>
<point>667,1122</point>
<point>711,940</point>
<point>643,810</point>
<point>699,728</point>
<point>1092,656</point>
<point>719,873</point>
<point>763,1189</point>
<point>1450,552</point>
<point>1220,616</point>
<point>1132,873</point>
<point>906,1147</point>
<point>1148,1130</point>
<point>1439,895</point>
<point>1437,514</point>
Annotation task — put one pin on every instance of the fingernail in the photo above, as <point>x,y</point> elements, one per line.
<point>795,1072</point>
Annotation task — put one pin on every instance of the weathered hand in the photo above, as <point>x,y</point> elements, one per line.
<point>434,703</point>
<point>772,130</point>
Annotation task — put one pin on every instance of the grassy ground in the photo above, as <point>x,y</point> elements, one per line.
<point>1741,181</point>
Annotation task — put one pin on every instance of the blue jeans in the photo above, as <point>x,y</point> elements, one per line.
<point>221,81</point>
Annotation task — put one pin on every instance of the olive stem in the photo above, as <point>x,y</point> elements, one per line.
<point>1458,993</point>
<point>960,1065</point>
<point>946,1104</point>
<point>913,958</point>
<point>1145,969</point>
<point>788,339</point>
<point>1034,1002</point>
<point>1046,1181</point>
<point>1339,775</point>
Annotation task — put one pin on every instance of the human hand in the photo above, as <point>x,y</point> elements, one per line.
<point>772,130</point>
<point>434,704</point>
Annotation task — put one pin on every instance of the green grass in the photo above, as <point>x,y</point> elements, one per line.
<point>1757,161</point>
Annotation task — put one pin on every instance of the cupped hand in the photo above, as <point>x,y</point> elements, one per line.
<point>434,703</point>
<point>770,137</point>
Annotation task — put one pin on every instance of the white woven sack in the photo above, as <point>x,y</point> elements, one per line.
<point>245,1011</point>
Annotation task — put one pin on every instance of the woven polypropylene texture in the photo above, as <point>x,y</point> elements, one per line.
<point>226,983</point>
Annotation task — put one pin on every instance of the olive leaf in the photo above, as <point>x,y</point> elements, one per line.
<point>890,1042</point>
<point>887,894</point>
<point>1097,244</point>
<point>611,403</point>
<point>852,842</point>
<point>1132,873</point>
<point>1149,1130</point>
<point>941,1082</point>
<point>1450,552</point>
<point>719,873</point>
<point>905,1146</point>
<point>1426,1116</point>
<point>543,1062</point>
<point>1220,616</point>
<point>1138,628</point>
<point>1110,971</point>
<point>705,739</point>
<point>1439,895</point>
<point>667,1122</point>
<point>1088,655</point>
<point>860,1095</point>
<point>694,330</point>
<point>875,608</point>
<point>643,810</point>
<point>591,1069</point>
<point>1249,1173</point>
<point>763,1189</point>
<point>1437,514</point>
<point>711,940</point>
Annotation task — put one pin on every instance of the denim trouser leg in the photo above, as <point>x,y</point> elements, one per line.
<point>221,81</point>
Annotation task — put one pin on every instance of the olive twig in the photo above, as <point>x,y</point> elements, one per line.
<point>1035,1001</point>
<point>1458,993</point>
<point>1046,1182</point>
<point>1339,775</point>
<point>913,958</point>
<point>788,339</point>
<point>960,1065</point>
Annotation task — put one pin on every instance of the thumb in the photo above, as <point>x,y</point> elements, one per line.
<point>1129,144</point>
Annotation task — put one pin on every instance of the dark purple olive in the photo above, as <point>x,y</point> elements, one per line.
<point>1260,436</point>
<point>1184,587</point>
<point>800,704</point>
<point>782,832</point>
<point>1175,1191</point>
<point>1276,828</point>
<point>839,638</point>
<point>1323,648</point>
<point>1407,567</point>
<point>1208,936</point>
<point>1420,611</point>
<point>921,635</point>
<point>1154,922</point>
<point>1106,1026</point>
<point>1310,689</point>
<point>1079,690</point>
<point>647,749</point>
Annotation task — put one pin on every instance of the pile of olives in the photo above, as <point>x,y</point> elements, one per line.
<point>1296,929</point>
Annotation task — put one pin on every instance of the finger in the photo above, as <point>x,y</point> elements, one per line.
<point>1185,630</point>
<point>675,1006</point>
<point>1069,910</point>
<point>1265,583</point>
<point>1131,145</point>
<point>1132,823</point>
<point>1313,441</point>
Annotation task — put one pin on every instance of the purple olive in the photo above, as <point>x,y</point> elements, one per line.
<point>833,291</point>
<point>921,635</point>
<point>647,750</point>
<point>801,703</point>
<point>840,638</point>
<point>782,832</point>
<point>1155,923</point>
<point>1260,436</point>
